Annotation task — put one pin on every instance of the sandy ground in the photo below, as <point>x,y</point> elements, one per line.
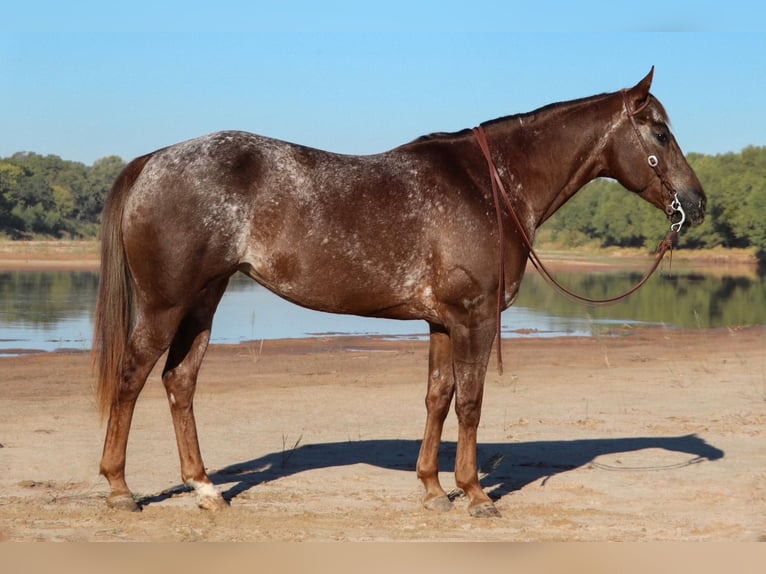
<point>641,435</point>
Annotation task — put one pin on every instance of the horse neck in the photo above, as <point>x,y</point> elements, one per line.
<point>548,155</point>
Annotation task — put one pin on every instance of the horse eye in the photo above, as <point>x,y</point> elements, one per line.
<point>662,137</point>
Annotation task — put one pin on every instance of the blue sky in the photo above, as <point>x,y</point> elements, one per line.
<point>88,79</point>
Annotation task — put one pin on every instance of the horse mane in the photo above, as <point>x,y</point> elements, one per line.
<point>547,109</point>
<point>526,116</point>
<point>441,136</point>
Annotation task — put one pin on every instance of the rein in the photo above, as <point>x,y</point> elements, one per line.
<point>500,196</point>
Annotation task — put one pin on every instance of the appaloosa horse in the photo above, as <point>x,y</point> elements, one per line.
<point>412,233</point>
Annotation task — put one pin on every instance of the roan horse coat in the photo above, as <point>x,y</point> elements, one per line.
<point>411,233</point>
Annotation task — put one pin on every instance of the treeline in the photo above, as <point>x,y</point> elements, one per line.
<point>604,213</point>
<point>51,197</point>
<point>46,196</point>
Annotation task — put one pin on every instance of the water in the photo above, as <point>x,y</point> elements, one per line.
<point>46,311</point>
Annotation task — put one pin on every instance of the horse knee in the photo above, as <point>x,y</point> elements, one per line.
<point>438,402</point>
<point>440,390</point>
<point>468,413</point>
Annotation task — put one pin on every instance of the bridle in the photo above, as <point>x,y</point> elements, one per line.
<point>500,196</point>
<point>674,206</point>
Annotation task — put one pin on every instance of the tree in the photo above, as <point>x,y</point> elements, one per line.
<point>100,178</point>
<point>51,196</point>
<point>9,177</point>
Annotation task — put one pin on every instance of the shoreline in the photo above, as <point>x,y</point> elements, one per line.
<point>84,255</point>
<point>45,255</point>
<point>366,343</point>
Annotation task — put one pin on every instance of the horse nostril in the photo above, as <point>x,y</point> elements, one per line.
<point>699,214</point>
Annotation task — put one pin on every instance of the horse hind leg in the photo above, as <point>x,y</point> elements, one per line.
<point>148,340</point>
<point>180,380</point>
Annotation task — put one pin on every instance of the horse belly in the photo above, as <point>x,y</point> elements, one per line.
<point>315,276</point>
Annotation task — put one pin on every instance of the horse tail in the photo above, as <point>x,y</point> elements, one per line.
<point>114,307</point>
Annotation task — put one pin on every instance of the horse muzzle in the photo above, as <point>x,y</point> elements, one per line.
<point>693,203</point>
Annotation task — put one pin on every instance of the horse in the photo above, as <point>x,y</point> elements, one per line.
<point>411,233</point>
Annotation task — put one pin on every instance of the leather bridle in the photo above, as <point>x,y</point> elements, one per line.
<point>674,205</point>
<point>500,196</point>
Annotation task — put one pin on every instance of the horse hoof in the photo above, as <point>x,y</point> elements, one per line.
<point>212,503</point>
<point>484,510</point>
<point>124,502</point>
<point>439,504</point>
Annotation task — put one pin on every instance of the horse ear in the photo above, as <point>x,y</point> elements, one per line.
<point>640,92</point>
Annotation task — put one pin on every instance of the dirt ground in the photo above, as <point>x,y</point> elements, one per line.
<point>637,435</point>
<point>640,435</point>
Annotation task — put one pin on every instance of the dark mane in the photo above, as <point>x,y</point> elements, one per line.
<point>547,108</point>
<point>528,115</point>
<point>441,136</point>
<point>523,115</point>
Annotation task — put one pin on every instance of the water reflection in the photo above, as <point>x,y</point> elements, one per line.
<point>685,299</point>
<point>53,310</point>
<point>46,310</point>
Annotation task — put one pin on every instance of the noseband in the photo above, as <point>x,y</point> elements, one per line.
<point>500,196</point>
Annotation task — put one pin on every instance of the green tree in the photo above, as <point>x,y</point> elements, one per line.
<point>100,178</point>
<point>51,196</point>
<point>9,177</point>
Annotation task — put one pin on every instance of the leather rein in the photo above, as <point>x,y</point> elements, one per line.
<point>500,196</point>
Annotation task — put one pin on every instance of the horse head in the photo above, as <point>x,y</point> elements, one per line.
<point>644,156</point>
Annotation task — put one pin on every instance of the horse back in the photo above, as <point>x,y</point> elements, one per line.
<point>339,233</point>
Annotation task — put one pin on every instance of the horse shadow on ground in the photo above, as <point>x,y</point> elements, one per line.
<point>503,467</point>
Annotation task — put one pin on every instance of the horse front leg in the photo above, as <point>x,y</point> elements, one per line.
<point>441,388</point>
<point>470,354</point>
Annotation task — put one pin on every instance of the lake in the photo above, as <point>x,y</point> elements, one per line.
<point>51,310</point>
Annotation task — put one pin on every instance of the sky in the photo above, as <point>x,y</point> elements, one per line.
<point>88,79</point>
